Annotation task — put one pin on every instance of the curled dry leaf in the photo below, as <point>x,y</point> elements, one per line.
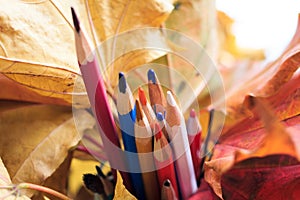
<point>265,82</point>
<point>275,138</point>
<point>121,193</point>
<point>35,139</point>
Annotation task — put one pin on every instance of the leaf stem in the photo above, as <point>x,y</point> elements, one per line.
<point>15,188</point>
<point>42,189</point>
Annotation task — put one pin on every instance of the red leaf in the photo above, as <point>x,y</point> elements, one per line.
<point>272,177</point>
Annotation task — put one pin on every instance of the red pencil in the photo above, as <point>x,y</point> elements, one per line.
<point>96,91</point>
<point>167,191</point>
<point>164,160</point>
<point>194,131</point>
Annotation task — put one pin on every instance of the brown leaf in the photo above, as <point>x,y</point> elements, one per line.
<point>35,140</point>
<point>58,180</point>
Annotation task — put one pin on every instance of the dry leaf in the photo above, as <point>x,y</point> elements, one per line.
<point>262,81</point>
<point>47,66</point>
<point>275,138</point>
<point>196,19</point>
<point>35,140</point>
<point>58,180</point>
<point>6,194</point>
<point>115,17</point>
<point>121,193</point>
<point>272,177</point>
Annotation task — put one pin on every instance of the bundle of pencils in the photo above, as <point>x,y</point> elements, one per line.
<point>164,160</point>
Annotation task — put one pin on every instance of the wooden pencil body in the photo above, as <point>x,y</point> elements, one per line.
<point>144,145</point>
<point>177,132</point>
<point>127,129</point>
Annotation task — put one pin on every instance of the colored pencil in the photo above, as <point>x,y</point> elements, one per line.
<point>156,94</point>
<point>194,131</point>
<point>162,124</point>
<point>147,108</point>
<point>127,117</point>
<point>179,142</point>
<point>143,139</point>
<point>167,191</point>
<point>164,160</point>
<point>96,91</point>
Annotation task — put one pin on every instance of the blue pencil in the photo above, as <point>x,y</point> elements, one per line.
<point>127,116</point>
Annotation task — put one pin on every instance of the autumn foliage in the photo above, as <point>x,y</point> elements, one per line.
<point>256,157</point>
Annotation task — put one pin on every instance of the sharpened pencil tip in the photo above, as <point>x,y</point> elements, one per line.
<point>193,113</point>
<point>75,20</point>
<point>142,96</point>
<point>152,76</point>
<point>167,183</point>
<point>170,99</point>
<point>122,83</point>
<point>159,116</point>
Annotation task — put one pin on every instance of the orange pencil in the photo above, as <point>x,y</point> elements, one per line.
<point>143,139</point>
<point>157,97</point>
<point>147,108</point>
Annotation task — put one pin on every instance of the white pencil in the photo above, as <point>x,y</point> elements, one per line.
<point>179,142</point>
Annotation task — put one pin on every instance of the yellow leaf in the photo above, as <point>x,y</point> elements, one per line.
<point>114,17</point>
<point>37,48</point>
<point>35,139</point>
<point>121,193</point>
